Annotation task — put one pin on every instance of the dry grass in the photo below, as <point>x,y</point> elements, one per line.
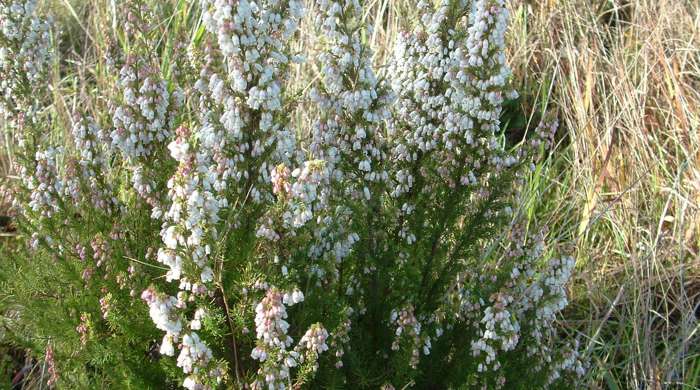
<point>624,78</point>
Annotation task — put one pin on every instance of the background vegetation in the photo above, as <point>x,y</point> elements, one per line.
<point>623,186</point>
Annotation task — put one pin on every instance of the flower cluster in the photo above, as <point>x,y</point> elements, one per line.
<point>280,181</point>
<point>44,182</point>
<point>450,94</point>
<point>24,58</point>
<point>83,328</point>
<point>340,340</point>
<point>523,310</point>
<point>304,193</point>
<point>195,357</point>
<point>253,40</point>
<point>144,112</point>
<point>100,250</point>
<point>314,340</point>
<point>193,354</point>
<point>106,305</point>
<point>92,161</point>
<point>50,366</point>
<point>193,213</point>
<point>141,122</point>
<point>270,325</point>
<point>162,311</point>
<point>354,104</point>
<point>407,325</point>
<point>499,328</point>
<point>273,341</point>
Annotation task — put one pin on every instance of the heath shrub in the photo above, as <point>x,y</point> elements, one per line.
<point>189,230</point>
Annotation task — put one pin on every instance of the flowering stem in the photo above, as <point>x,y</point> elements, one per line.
<point>224,305</point>
<point>437,236</point>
